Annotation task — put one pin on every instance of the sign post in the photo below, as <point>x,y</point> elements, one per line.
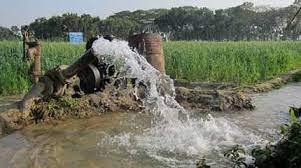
<point>76,37</point>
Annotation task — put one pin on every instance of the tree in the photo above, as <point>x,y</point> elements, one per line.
<point>243,22</point>
<point>7,34</point>
<point>16,31</point>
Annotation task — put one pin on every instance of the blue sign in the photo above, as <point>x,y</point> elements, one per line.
<point>76,37</point>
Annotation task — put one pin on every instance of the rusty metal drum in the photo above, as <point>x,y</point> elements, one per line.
<point>151,47</point>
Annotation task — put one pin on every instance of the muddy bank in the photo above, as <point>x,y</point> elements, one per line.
<point>52,109</point>
<point>213,100</point>
<point>193,96</point>
<point>227,97</point>
<point>275,83</point>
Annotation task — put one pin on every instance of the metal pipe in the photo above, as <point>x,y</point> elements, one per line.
<point>34,93</point>
<point>78,65</point>
<point>54,80</point>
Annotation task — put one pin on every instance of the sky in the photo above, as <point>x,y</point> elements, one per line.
<point>20,12</point>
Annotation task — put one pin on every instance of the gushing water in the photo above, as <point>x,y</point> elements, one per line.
<point>172,132</point>
<point>167,136</point>
<point>160,91</point>
<point>132,140</point>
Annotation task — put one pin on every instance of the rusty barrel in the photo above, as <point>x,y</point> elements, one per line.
<point>151,47</point>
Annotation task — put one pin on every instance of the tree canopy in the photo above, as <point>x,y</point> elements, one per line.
<point>7,34</point>
<point>243,22</point>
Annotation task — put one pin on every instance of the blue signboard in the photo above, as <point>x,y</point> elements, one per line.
<point>76,37</point>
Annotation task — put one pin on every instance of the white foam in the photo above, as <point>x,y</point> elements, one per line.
<point>169,134</point>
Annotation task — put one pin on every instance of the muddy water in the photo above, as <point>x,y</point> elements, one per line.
<point>9,102</point>
<point>271,111</point>
<point>132,140</point>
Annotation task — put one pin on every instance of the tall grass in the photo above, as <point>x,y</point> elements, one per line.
<point>235,62</point>
<point>14,72</point>
<point>13,78</point>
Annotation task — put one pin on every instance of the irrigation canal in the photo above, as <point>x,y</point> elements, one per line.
<point>131,140</point>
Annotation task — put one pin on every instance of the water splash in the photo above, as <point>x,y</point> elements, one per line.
<point>171,135</point>
<point>160,91</point>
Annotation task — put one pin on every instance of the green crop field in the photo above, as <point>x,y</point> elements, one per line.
<point>233,62</point>
<point>14,72</point>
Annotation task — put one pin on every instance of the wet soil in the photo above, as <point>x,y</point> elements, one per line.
<point>227,97</point>
<point>127,140</point>
<point>203,97</point>
<point>52,109</point>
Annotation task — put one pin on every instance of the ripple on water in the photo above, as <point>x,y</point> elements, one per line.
<point>161,138</point>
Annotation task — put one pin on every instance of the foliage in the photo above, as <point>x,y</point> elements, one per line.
<point>234,62</point>
<point>56,27</point>
<point>68,102</point>
<point>13,76</point>
<point>14,72</point>
<point>261,154</point>
<point>120,24</point>
<point>7,34</point>
<point>202,163</point>
<point>53,107</point>
<point>237,156</point>
<point>285,153</point>
<point>284,129</point>
<point>243,22</point>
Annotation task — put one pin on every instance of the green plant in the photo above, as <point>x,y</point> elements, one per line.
<point>68,102</point>
<point>285,153</point>
<point>14,72</point>
<point>202,163</point>
<point>237,155</point>
<point>233,62</point>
